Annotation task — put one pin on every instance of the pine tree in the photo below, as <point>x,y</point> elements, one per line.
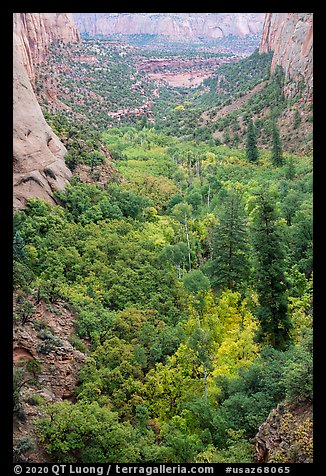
<point>272,312</point>
<point>278,80</point>
<point>19,253</point>
<point>277,155</point>
<point>290,169</point>
<point>230,266</point>
<point>296,119</point>
<point>251,143</point>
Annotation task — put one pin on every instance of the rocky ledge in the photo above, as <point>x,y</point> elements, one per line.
<point>287,435</point>
<point>43,348</point>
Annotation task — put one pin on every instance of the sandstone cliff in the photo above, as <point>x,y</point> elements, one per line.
<point>174,26</point>
<point>290,36</point>
<point>38,155</point>
<point>36,31</point>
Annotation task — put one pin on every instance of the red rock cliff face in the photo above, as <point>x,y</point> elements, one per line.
<point>38,155</point>
<point>286,435</point>
<point>36,31</point>
<point>290,36</point>
<point>174,26</point>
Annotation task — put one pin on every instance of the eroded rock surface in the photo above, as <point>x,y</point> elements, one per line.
<point>290,37</point>
<point>46,340</point>
<point>36,31</point>
<point>174,26</point>
<point>38,155</point>
<point>287,435</point>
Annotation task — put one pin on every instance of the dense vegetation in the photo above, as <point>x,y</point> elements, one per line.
<point>235,79</point>
<point>191,280</point>
<point>92,84</point>
<point>229,83</point>
<point>161,45</point>
<point>106,82</point>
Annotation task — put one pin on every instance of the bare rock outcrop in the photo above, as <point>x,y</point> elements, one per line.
<point>290,37</point>
<point>46,338</point>
<point>287,435</point>
<point>42,348</point>
<point>38,155</point>
<point>174,26</point>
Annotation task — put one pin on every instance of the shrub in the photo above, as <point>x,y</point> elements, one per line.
<point>18,382</point>
<point>298,373</point>
<point>87,433</point>
<point>76,342</point>
<point>22,446</point>
<point>17,385</point>
<point>49,341</point>
<point>25,311</point>
<point>33,366</point>
<point>35,399</point>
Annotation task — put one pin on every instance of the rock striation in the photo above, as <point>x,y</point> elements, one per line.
<point>173,26</point>
<point>290,37</point>
<point>38,155</point>
<point>35,32</point>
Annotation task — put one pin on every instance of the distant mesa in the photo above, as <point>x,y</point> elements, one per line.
<point>172,26</point>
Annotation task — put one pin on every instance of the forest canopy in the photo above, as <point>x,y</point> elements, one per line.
<point>191,281</point>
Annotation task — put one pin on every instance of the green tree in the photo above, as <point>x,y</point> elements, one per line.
<point>183,212</point>
<point>246,401</point>
<point>296,119</point>
<point>18,382</point>
<point>175,254</point>
<point>302,237</point>
<point>298,371</point>
<point>195,199</point>
<point>19,253</point>
<point>272,313</point>
<point>196,282</point>
<point>290,169</point>
<point>182,445</point>
<point>199,341</point>
<point>87,433</point>
<point>278,80</point>
<point>230,265</point>
<point>251,143</point>
<point>277,155</point>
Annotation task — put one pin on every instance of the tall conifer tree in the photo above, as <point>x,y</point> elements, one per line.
<point>277,155</point>
<point>272,312</point>
<point>251,143</point>
<point>230,266</point>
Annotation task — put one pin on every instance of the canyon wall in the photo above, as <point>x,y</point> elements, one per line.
<point>290,37</point>
<point>38,155</point>
<point>174,26</point>
<point>34,32</point>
